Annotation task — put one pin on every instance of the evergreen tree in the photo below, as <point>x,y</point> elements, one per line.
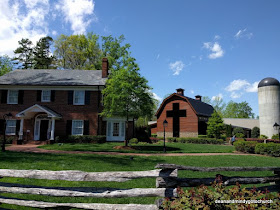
<point>24,54</point>
<point>215,125</point>
<point>42,55</point>
<point>255,132</point>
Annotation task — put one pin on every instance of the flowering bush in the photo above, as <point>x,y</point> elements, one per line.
<point>220,197</point>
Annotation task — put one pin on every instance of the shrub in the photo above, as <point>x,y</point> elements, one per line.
<point>202,136</point>
<point>275,136</point>
<point>85,139</point>
<point>263,136</point>
<point>255,132</point>
<point>238,132</point>
<point>271,149</point>
<point>200,140</point>
<point>133,141</point>
<point>245,146</point>
<point>154,135</point>
<point>9,139</point>
<point>204,197</point>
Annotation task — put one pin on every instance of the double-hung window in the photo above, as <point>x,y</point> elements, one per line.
<point>46,96</point>
<point>11,127</point>
<point>13,97</point>
<point>79,97</point>
<point>77,127</point>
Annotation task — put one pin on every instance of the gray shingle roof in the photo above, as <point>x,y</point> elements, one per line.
<point>53,77</point>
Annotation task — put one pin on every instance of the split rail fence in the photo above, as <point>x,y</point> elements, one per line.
<point>166,176</point>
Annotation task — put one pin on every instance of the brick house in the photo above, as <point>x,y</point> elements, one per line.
<point>186,117</point>
<point>49,103</point>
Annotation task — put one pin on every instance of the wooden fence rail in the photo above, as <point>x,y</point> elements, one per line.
<point>166,176</point>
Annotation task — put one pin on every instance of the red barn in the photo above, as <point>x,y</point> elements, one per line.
<point>186,117</point>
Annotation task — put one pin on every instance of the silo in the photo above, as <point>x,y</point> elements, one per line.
<point>269,105</point>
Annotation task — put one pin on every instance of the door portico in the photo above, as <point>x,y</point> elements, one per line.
<point>44,121</point>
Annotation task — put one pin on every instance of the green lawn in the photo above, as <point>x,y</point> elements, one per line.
<point>85,162</point>
<point>144,148</point>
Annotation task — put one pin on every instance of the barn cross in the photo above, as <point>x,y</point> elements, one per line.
<point>176,113</point>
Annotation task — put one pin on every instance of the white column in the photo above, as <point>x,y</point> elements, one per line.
<point>52,129</point>
<point>21,129</point>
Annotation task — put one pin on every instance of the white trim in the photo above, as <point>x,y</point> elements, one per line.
<point>73,129</point>
<point>15,127</point>
<point>42,98</point>
<point>8,97</point>
<point>21,114</point>
<point>110,129</point>
<point>37,137</point>
<point>21,87</point>
<point>84,95</point>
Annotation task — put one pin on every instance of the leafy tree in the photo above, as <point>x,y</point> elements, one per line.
<point>238,110</point>
<point>24,54</point>
<point>238,132</point>
<point>215,125</point>
<point>217,103</point>
<point>42,55</point>
<point>6,65</point>
<point>127,95</point>
<point>78,51</point>
<point>255,132</point>
<point>228,130</point>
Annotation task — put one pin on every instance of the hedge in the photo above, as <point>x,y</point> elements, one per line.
<point>190,140</point>
<point>245,146</point>
<point>9,139</point>
<point>271,149</point>
<point>262,140</point>
<point>81,139</point>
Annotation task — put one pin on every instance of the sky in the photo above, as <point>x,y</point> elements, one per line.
<point>217,48</point>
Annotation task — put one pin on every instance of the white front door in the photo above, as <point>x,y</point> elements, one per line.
<point>115,130</point>
<point>37,129</point>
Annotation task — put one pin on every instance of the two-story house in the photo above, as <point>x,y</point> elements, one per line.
<point>49,103</point>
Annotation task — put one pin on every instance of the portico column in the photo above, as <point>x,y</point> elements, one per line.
<point>21,129</point>
<point>52,129</point>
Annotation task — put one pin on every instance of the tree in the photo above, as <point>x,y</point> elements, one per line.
<point>42,55</point>
<point>238,132</point>
<point>24,54</point>
<point>216,102</point>
<point>255,132</point>
<point>6,65</point>
<point>215,125</point>
<point>228,130</point>
<point>238,110</point>
<point>78,51</point>
<point>127,95</point>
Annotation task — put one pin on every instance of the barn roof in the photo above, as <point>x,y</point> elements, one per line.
<point>200,108</point>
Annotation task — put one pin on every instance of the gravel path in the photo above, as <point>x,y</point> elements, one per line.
<point>35,149</point>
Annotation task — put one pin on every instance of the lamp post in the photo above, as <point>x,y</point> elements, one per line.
<point>276,126</point>
<point>5,117</point>
<point>165,124</point>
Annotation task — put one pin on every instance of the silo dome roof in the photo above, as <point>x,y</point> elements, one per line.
<point>269,81</point>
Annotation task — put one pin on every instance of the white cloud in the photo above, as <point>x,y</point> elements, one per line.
<point>21,20</point>
<point>239,86</point>
<point>192,92</point>
<point>252,88</point>
<point>176,67</point>
<point>218,97</point>
<point>54,33</point>
<point>215,48</point>
<point>79,13</point>
<point>217,37</point>
<point>157,97</point>
<point>243,33</point>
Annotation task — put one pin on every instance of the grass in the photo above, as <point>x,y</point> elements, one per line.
<point>99,163</point>
<point>144,148</point>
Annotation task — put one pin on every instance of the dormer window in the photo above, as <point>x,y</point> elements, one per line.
<point>46,96</point>
<point>13,97</point>
<point>79,97</point>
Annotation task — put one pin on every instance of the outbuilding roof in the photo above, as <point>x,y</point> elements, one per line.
<point>200,108</point>
<point>53,77</point>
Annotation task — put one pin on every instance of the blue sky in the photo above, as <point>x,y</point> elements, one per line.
<point>217,48</point>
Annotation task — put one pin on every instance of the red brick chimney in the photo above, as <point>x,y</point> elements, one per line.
<point>198,97</point>
<point>180,91</point>
<point>105,67</point>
